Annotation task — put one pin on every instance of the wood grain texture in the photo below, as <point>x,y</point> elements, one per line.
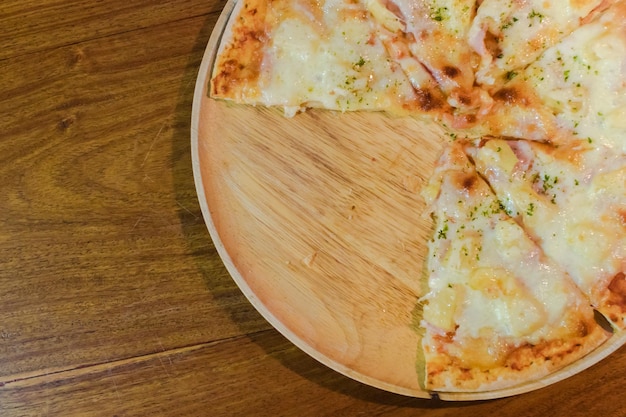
<point>104,251</point>
<point>265,375</point>
<point>30,27</point>
<point>321,217</point>
<point>113,300</point>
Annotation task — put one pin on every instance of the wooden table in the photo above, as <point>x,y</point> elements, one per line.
<point>113,300</point>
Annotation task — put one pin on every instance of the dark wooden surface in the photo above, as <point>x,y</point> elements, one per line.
<point>113,300</point>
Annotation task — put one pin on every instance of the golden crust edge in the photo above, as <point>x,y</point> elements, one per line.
<point>457,379</point>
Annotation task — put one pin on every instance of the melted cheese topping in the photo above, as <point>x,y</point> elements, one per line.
<point>428,38</point>
<point>573,207</point>
<point>582,80</point>
<point>510,34</point>
<point>487,278</point>
<point>324,55</point>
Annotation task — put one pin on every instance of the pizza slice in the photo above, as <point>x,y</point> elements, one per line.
<point>498,311</point>
<point>572,202</point>
<point>581,80</point>
<point>297,54</point>
<point>574,92</point>
<point>509,35</point>
<point>429,40</point>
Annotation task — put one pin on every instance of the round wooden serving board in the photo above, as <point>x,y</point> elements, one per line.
<point>319,220</point>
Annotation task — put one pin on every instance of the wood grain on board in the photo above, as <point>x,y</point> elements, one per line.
<point>321,217</point>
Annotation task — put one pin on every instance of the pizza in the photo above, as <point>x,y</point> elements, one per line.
<point>573,92</point>
<point>509,35</point>
<point>526,265</point>
<point>572,203</point>
<point>424,35</point>
<point>296,54</point>
<point>499,309</point>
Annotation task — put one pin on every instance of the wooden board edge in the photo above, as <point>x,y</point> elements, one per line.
<point>199,102</point>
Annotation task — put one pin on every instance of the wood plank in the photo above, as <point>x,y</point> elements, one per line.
<point>104,251</point>
<point>30,27</point>
<point>262,374</point>
<point>112,298</point>
<point>265,375</point>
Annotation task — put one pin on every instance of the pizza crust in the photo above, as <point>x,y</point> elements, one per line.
<point>237,69</point>
<point>522,365</point>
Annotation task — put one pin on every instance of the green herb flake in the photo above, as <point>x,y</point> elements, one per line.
<point>439,14</point>
<point>510,75</point>
<point>480,248</point>
<point>443,232</point>
<point>535,14</point>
